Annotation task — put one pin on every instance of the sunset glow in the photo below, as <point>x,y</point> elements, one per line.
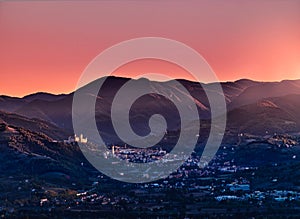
<point>45,46</point>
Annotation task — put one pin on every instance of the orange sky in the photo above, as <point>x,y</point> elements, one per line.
<point>45,46</point>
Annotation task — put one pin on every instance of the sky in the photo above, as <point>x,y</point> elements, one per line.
<point>46,45</point>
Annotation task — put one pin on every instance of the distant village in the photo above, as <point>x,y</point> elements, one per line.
<point>79,139</point>
<point>194,191</point>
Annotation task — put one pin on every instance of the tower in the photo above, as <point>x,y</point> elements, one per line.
<point>113,150</point>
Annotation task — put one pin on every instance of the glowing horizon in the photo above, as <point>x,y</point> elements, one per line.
<point>45,46</point>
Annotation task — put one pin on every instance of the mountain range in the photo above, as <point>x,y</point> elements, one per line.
<point>253,107</point>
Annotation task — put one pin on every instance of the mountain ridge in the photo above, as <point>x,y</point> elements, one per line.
<point>241,95</point>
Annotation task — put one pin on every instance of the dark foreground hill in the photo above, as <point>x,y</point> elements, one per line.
<point>34,153</point>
